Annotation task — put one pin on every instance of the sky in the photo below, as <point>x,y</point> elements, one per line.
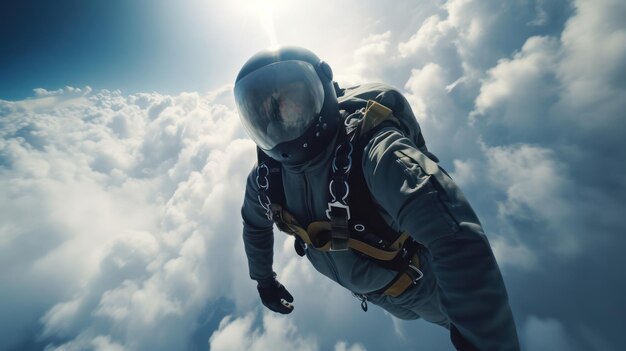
<point>123,162</point>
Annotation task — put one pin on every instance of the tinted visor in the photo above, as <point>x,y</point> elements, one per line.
<point>279,102</point>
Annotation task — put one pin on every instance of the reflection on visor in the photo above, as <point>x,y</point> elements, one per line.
<point>278,102</point>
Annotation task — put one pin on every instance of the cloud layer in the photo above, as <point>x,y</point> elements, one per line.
<point>112,211</point>
<point>119,219</point>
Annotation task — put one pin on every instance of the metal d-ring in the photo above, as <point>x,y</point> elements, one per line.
<point>258,174</point>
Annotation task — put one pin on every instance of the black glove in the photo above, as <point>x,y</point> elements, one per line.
<point>274,296</point>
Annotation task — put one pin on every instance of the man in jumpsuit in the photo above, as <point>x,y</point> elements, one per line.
<point>288,104</point>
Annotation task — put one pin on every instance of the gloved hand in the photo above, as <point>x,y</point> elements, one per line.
<point>274,296</point>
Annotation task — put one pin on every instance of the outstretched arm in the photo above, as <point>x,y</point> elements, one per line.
<point>424,201</point>
<point>258,239</point>
<point>258,235</point>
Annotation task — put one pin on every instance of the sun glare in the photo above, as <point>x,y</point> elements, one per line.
<point>264,11</point>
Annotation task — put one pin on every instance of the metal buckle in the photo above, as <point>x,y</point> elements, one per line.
<point>266,206</point>
<point>339,245</point>
<point>265,186</point>
<point>344,198</point>
<point>345,168</point>
<point>337,205</point>
<point>340,232</point>
<point>420,275</point>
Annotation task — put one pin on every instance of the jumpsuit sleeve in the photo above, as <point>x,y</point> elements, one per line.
<point>258,234</point>
<point>417,194</point>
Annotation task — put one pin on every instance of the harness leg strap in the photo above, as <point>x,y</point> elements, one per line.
<point>405,279</point>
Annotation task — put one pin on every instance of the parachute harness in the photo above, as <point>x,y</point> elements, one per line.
<point>390,249</point>
<point>262,181</point>
<point>338,208</point>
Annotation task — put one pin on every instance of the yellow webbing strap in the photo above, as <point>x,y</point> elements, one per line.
<point>287,223</point>
<point>375,113</point>
<point>372,251</point>
<point>311,236</point>
<point>404,281</point>
<point>316,228</point>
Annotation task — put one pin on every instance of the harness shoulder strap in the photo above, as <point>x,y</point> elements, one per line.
<point>363,205</point>
<point>275,189</point>
<point>272,195</point>
<point>375,114</point>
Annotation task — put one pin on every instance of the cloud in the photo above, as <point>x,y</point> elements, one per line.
<point>545,334</point>
<point>492,86</point>
<point>523,103</point>
<point>66,92</point>
<point>274,333</point>
<point>536,97</point>
<point>556,80</point>
<point>595,32</point>
<point>119,219</point>
<point>122,192</point>
<point>98,343</point>
<point>343,346</point>
<point>510,251</point>
<point>366,58</point>
<point>142,251</point>
<point>528,77</point>
<point>443,121</point>
<point>531,179</point>
<point>279,334</point>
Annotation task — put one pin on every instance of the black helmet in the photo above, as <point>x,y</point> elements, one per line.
<point>287,103</point>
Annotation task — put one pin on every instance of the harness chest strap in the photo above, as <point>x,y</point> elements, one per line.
<point>313,237</point>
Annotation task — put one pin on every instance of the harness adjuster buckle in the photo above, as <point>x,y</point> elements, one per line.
<point>415,273</point>
<point>340,208</point>
<point>339,214</point>
<point>339,244</point>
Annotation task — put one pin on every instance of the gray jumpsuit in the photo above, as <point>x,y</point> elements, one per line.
<point>462,285</point>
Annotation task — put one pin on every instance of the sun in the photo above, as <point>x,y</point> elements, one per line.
<point>265,11</point>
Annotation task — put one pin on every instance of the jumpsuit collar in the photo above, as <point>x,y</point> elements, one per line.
<point>325,157</point>
<point>322,160</point>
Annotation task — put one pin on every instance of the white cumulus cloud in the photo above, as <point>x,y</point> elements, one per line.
<point>120,193</point>
<point>119,219</point>
<point>278,334</point>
